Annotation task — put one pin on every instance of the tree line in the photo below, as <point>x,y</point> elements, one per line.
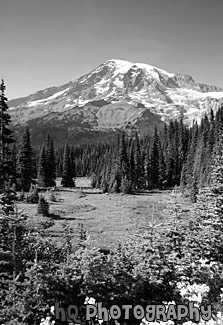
<point>176,156</point>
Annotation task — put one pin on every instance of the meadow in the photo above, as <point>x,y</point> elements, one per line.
<point>107,218</point>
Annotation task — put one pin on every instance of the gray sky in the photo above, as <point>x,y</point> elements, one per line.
<point>47,43</point>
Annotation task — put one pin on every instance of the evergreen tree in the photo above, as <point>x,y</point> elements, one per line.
<point>218,123</point>
<point>42,170</point>
<point>14,165</point>
<point>194,191</point>
<point>26,167</point>
<point>12,254</point>
<point>123,160</point>
<point>154,161</point>
<point>147,169</point>
<point>50,163</point>
<point>139,175</point>
<point>72,164</point>
<point>209,211</point>
<point>132,165</point>
<point>67,175</point>
<point>216,179</point>
<point>82,235</point>
<point>116,167</point>
<point>162,170</point>
<point>115,181</point>
<point>187,175</point>
<point>6,140</point>
<point>43,207</point>
<point>126,186</point>
<point>210,198</point>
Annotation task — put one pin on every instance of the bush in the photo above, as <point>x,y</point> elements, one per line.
<point>33,196</point>
<point>47,223</point>
<point>43,207</point>
<point>125,186</point>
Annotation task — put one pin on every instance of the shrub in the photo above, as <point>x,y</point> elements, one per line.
<point>125,186</point>
<point>43,207</point>
<point>33,196</point>
<point>82,235</point>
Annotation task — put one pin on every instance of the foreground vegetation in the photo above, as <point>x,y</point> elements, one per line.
<point>169,261</point>
<point>175,258</point>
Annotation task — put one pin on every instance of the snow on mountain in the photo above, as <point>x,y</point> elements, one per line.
<point>117,94</point>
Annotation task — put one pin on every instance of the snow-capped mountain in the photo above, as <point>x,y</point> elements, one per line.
<point>117,94</point>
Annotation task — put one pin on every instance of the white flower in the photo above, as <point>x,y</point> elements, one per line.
<point>91,301</point>
<point>183,291</point>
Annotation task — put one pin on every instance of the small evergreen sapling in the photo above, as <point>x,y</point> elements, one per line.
<point>82,235</point>
<point>33,196</point>
<point>126,186</point>
<point>43,207</point>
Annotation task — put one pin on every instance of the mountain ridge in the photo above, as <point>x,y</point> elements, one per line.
<point>117,95</point>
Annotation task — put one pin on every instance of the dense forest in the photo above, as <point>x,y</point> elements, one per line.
<point>177,262</point>
<point>177,156</point>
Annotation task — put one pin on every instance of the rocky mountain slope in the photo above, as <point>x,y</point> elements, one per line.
<point>117,94</point>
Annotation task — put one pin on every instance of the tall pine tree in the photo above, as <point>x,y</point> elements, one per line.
<point>42,169</point>
<point>72,164</point>
<point>26,168</point>
<point>50,163</point>
<point>154,161</point>
<point>139,174</point>
<point>6,140</point>
<point>67,175</point>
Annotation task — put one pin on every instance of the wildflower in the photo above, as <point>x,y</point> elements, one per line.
<point>90,301</point>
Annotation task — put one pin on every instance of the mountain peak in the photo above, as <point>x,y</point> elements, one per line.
<point>118,94</point>
<point>126,65</point>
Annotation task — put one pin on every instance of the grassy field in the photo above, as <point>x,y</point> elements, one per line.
<point>107,218</point>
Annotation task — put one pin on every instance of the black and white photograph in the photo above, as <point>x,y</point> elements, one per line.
<point>111,162</point>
